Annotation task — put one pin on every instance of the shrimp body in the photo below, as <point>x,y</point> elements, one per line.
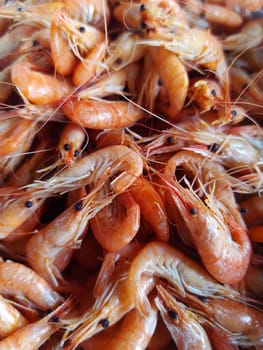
<point>21,282</point>
<point>162,260</point>
<point>222,242</point>
<point>39,88</point>
<point>10,318</point>
<point>102,114</point>
<point>182,324</point>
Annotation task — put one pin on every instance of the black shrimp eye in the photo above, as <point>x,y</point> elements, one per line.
<point>143,25</point>
<point>170,140</point>
<point>28,204</point>
<point>82,29</point>
<point>213,92</point>
<point>54,319</point>
<point>233,113</point>
<point>193,211</point>
<point>76,153</point>
<point>104,323</point>
<point>173,315</point>
<point>20,9</point>
<point>78,206</point>
<point>67,147</point>
<point>118,60</point>
<point>203,299</point>
<point>35,43</point>
<point>243,210</point>
<point>142,7</point>
<point>214,147</point>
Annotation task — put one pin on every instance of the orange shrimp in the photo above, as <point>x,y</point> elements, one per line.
<point>70,142</point>
<point>102,114</point>
<point>175,79</point>
<point>151,206</point>
<point>162,260</point>
<point>10,318</point>
<point>252,210</point>
<point>221,240</point>
<point>36,333</point>
<point>24,284</point>
<point>118,223</point>
<point>63,58</point>
<point>108,161</point>
<point>135,331</point>
<point>254,280</point>
<point>91,66</point>
<point>183,325</point>
<point>39,88</point>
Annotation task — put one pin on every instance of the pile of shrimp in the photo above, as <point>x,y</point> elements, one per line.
<point>131,182</point>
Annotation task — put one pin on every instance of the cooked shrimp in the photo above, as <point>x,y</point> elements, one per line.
<point>252,210</point>
<point>63,58</point>
<point>102,114</point>
<point>36,333</point>
<point>221,241</point>
<point>90,169</point>
<point>162,260</point>
<point>248,37</point>
<point>118,223</point>
<point>134,332</point>
<point>254,280</point>
<point>38,87</point>
<point>10,318</point>
<point>70,142</point>
<point>175,79</point>
<point>183,325</point>
<point>152,207</point>
<point>24,284</point>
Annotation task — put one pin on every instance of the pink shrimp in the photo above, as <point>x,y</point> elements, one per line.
<point>102,114</point>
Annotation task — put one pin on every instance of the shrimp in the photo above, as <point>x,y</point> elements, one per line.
<point>102,114</point>
<point>70,142</point>
<point>63,58</point>
<point>10,318</point>
<point>250,5</point>
<point>220,239</point>
<point>174,77</point>
<point>254,280</point>
<point>108,161</point>
<point>34,13</point>
<point>248,37</point>
<point>50,250</point>
<point>151,206</point>
<point>118,223</point>
<point>24,284</point>
<point>162,260</point>
<point>36,333</point>
<point>182,324</point>
<point>134,332</point>
<point>39,88</point>
<point>252,210</point>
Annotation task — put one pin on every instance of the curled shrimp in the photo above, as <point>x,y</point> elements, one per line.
<point>102,114</point>
<point>70,142</point>
<point>23,283</point>
<point>118,223</point>
<point>151,206</point>
<point>252,210</point>
<point>90,169</point>
<point>38,87</point>
<point>10,318</point>
<point>162,260</point>
<point>183,325</point>
<point>38,332</point>
<point>175,79</point>
<point>220,239</point>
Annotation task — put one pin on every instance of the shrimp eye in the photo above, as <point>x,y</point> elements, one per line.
<point>233,113</point>
<point>203,299</point>
<point>214,147</point>
<point>142,7</point>
<point>170,140</point>
<point>202,15</point>
<point>213,92</point>
<point>54,319</point>
<point>243,210</point>
<point>35,43</point>
<point>82,29</point>
<point>193,211</point>
<point>173,315</point>
<point>28,204</point>
<point>245,86</point>
<point>78,206</point>
<point>20,9</point>
<point>118,60</point>
<point>104,323</point>
<point>160,82</point>
<point>67,147</point>
<point>76,153</point>
<point>143,25</point>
